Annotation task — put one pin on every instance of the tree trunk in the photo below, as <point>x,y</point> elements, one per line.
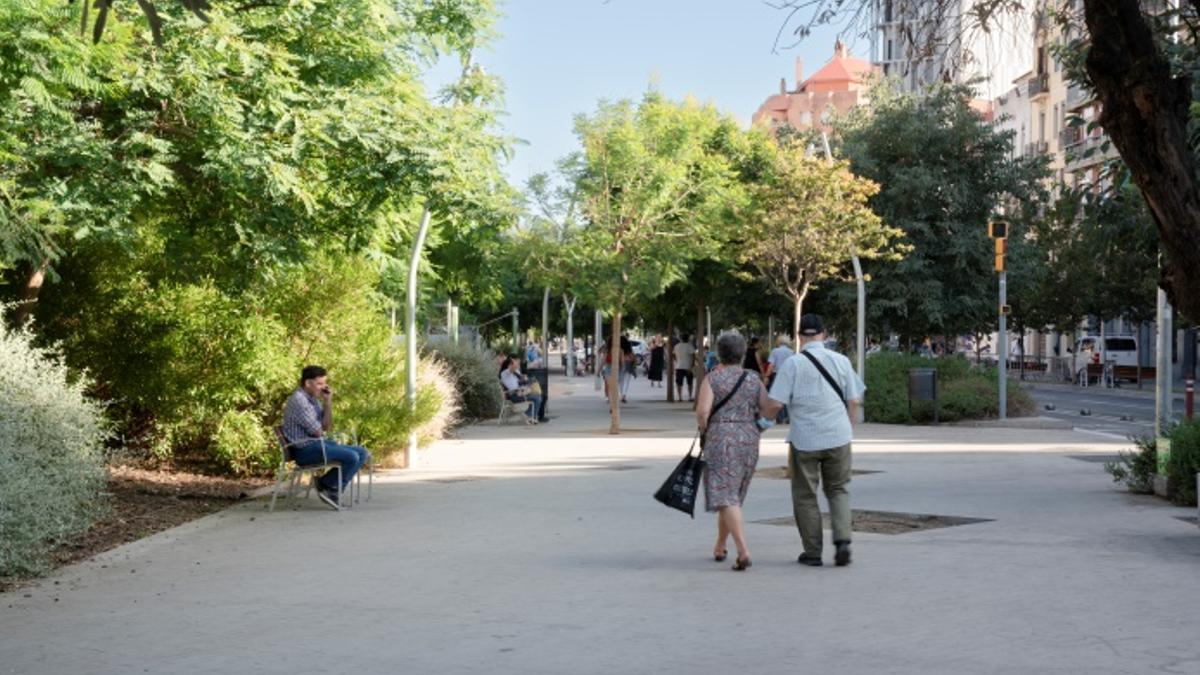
<point>798,311</point>
<point>698,360</point>
<point>570,304</point>
<point>670,363</point>
<point>29,294</point>
<point>614,390</point>
<point>545,341</point>
<point>1145,111</point>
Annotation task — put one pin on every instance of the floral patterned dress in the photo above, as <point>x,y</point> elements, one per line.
<point>731,444</point>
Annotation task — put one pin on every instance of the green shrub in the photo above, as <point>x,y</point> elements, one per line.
<point>1184,463</point>
<point>335,320</point>
<point>1136,468</point>
<point>964,393</point>
<point>198,373</point>
<point>474,374</point>
<point>51,455</point>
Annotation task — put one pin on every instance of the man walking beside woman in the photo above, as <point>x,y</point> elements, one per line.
<point>822,393</point>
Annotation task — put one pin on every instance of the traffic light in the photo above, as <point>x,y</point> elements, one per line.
<point>998,230</point>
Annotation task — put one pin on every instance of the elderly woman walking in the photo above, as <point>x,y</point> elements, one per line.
<point>727,412</point>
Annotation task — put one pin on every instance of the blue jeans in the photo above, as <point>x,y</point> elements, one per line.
<point>535,406</point>
<point>352,458</point>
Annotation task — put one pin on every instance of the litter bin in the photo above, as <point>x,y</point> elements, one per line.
<point>542,375</point>
<point>922,386</point>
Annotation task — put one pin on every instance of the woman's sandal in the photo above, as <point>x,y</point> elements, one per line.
<point>720,557</point>
<point>741,565</point>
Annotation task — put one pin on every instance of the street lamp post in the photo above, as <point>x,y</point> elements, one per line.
<point>410,328</point>
<point>860,339</point>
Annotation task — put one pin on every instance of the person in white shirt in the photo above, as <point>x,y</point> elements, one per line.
<point>684,355</point>
<point>822,393</point>
<point>775,361</point>
<point>516,391</point>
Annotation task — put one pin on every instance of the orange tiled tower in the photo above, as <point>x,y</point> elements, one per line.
<point>839,85</point>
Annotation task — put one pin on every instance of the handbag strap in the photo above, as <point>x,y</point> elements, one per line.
<point>717,407</point>
<point>728,396</point>
<point>827,376</point>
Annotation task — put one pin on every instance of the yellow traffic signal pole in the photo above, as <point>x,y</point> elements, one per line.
<point>998,230</point>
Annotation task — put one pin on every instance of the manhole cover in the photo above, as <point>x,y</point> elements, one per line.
<point>887,522</point>
<point>1189,519</point>
<point>455,479</point>
<point>781,472</point>
<point>1096,459</point>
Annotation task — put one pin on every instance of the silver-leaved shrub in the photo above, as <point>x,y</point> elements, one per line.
<point>52,444</point>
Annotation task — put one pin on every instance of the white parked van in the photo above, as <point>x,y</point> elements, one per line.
<point>1119,350</point>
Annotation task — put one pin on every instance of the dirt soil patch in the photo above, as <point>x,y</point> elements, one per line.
<point>141,503</point>
<point>886,522</point>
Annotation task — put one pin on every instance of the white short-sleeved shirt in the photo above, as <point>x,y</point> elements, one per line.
<point>818,417</point>
<point>684,353</point>
<point>779,356</point>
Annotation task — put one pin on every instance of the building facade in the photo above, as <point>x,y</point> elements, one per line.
<point>835,89</point>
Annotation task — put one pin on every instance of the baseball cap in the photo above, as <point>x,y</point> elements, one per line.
<point>811,324</point>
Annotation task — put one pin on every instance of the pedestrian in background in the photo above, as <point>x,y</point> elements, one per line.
<point>753,360</point>
<point>822,393</point>
<point>684,354</point>
<point>775,361</point>
<point>658,361</point>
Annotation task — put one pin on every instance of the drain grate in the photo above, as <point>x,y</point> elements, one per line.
<point>622,467</point>
<point>1193,520</point>
<point>455,479</point>
<point>887,522</point>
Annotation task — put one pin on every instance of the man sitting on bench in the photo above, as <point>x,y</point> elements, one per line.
<point>307,417</point>
<point>517,391</point>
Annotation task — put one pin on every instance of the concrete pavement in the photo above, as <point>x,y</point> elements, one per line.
<point>540,550</point>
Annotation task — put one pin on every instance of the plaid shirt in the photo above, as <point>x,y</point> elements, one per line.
<point>302,417</point>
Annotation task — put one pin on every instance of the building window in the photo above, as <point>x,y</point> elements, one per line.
<point>1041,127</point>
<point>889,50</point>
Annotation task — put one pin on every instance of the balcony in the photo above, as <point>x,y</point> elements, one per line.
<point>1088,151</point>
<point>1070,136</point>
<point>1039,85</point>
<point>1077,97</point>
<point>1035,149</point>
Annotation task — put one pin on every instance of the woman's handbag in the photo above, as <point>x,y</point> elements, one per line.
<point>535,388</point>
<point>682,487</point>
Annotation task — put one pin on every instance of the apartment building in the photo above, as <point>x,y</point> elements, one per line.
<point>919,42</point>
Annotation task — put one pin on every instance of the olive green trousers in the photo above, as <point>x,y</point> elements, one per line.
<point>829,470</point>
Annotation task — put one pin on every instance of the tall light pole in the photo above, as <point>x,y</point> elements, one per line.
<point>860,339</point>
<point>998,231</point>
<point>410,328</point>
<point>1162,389</point>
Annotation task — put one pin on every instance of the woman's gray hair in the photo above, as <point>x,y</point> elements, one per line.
<point>731,349</point>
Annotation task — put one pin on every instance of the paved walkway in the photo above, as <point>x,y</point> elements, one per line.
<point>540,550</point>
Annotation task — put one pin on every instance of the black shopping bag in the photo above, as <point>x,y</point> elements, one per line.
<point>682,487</point>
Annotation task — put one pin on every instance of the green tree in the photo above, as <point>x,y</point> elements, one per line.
<point>652,190</point>
<point>1139,58</point>
<point>807,221</point>
<point>942,172</point>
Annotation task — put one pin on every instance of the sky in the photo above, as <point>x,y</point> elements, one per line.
<point>558,58</point>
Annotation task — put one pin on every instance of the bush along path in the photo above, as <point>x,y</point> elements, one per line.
<point>964,392</point>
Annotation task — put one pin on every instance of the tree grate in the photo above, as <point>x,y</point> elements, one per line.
<point>886,522</point>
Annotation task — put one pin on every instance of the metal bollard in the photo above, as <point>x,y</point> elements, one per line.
<point>1189,395</point>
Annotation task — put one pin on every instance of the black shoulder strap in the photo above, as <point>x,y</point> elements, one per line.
<point>826,375</point>
<point>728,396</point>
